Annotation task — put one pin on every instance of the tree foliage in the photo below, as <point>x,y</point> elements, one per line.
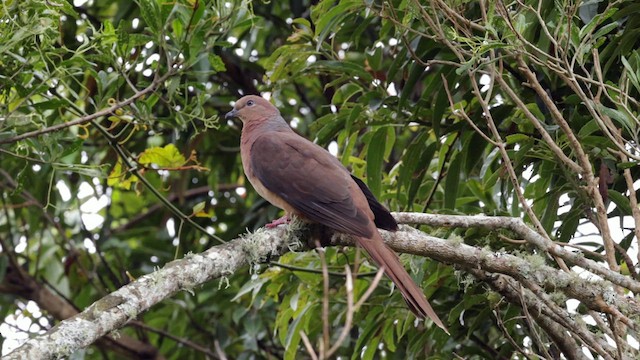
<point>114,160</point>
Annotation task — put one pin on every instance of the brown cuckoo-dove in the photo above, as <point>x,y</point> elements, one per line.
<point>305,180</point>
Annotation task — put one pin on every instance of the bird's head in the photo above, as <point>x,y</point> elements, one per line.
<point>252,107</point>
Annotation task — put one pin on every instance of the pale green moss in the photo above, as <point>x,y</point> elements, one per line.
<point>456,239</point>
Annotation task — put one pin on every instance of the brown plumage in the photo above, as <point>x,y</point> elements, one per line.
<point>305,180</point>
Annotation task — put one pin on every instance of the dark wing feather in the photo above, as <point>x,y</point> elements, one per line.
<point>383,218</point>
<point>309,179</point>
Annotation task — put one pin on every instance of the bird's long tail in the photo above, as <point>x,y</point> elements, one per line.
<point>412,293</point>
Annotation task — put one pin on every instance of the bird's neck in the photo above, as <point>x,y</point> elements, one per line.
<point>258,127</point>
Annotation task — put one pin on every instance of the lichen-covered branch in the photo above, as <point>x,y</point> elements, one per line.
<point>521,229</point>
<point>118,308</point>
<point>515,294</point>
<point>125,304</point>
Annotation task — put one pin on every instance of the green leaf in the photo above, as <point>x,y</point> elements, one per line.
<point>4,263</point>
<point>618,116</point>
<point>282,322</point>
<point>331,124</point>
<point>345,93</point>
<point>150,12</point>
<point>331,19</point>
<point>550,210</point>
<point>177,27</point>
<point>351,143</point>
<point>416,71</point>
<point>69,150</point>
<point>567,230</point>
<point>293,334</point>
<point>118,177</point>
<point>390,142</point>
<point>199,207</point>
<point>398,63</point>
<point>374,58</point>
<point>252,286</point>
<point>516,138</point>
<point>468,303</point>
<point>410,160</point>
<point>589,128</point>
<point>626,165</point>
<point>198,210</point>
<point>440,103</point>
<point>123,40</point>
<point>605,30</point>
<point>375,157</point>
<point>621,201</point>
<point>452,183</point>
<point>597,20</point>
<point>216,63</point>
<point>421,170</point>
<point>164,157</point>
<point>371,348</point>
<point>388,332</point>
<point>369,328</point>
<point>631,73</point>
<point>341,67</point>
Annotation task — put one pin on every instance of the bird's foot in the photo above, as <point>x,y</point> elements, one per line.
<point>283,220</point>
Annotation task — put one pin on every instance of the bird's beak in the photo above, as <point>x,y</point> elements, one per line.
<point>231,114</point>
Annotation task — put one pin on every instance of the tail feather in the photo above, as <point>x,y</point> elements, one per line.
<point>412,293</point>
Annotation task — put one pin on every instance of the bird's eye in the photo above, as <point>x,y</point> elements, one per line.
<point>250,103</point>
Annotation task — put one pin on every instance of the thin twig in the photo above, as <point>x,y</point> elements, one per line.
<point>324,345</point>
<point>370,290</point>
<point>532,326</point>
<point>179,340</point>
<point>307,345</point>
<point>88,118</point>
<point>463,114</point>
<point>346,328</point>
<point>314,271</point>
<point>506,333</point>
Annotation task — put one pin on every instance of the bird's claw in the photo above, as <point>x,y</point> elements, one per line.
<point>283,220</point>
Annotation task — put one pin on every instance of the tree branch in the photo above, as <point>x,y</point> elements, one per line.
<point>120,307</point>
<point>18,282</point>
<point>508,288</point>
<point>519,227</point>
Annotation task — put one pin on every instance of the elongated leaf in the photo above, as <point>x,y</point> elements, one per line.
<point>329,20</point>
<point>550,212</point>
<point>618,116</point>
<point>421,170</point>
<point>621,201</point>
<point>341,67</point>
<point>452,183</point>
<point>150,11</point>
<point>570,222</point>
<point>415,73</point>
<point>375,157</point>
<point>293,334</point>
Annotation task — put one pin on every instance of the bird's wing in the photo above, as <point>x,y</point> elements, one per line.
<point>311,180</point>
<point>382,216</point>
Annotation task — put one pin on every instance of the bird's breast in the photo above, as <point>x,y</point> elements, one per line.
<point>276,200</point>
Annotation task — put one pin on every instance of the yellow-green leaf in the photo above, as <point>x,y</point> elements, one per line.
<point>164,157</point>
<point>118,178</point>
<point>198,210</point>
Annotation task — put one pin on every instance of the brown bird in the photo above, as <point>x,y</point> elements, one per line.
<point>305,180</point>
